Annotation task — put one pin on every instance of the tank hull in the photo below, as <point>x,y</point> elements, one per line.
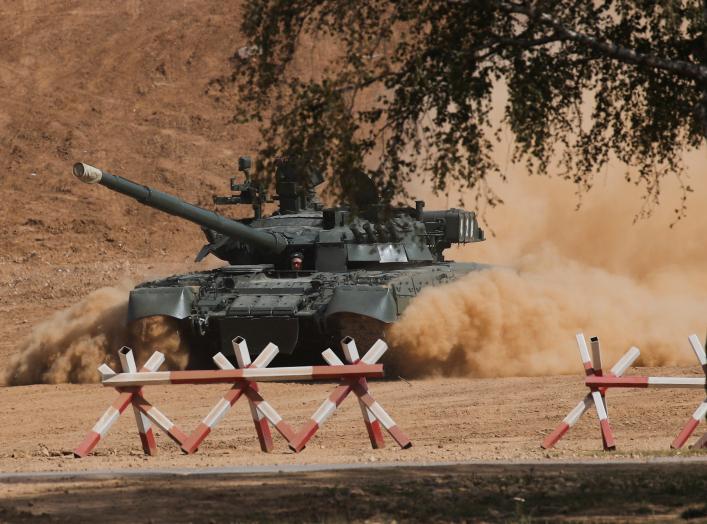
<point>303,313</point>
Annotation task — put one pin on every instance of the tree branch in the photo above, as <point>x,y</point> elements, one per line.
<point>682,68</point>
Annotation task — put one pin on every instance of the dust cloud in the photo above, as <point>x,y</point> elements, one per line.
<point>559,270</point>
<point>69,346</point>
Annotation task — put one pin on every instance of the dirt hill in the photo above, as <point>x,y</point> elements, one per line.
<point>124,87</point>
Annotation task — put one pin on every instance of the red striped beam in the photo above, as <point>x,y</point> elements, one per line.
<point>336,397</point>
<point>160,419</point>
<point>324,411</point>
<point>250,374</point>
<point>103,424</point>
<point>607,434</point>
<point>690,427</point>
<point>223,406</point>
<point>388,423</point>
<point>645,382</point>
<point>598,371</point>
<point>147,436</point>
<point>119,405</point>
<point>701,410</point>
<point>240,348</point>
<point>586,403</point>
<point>584,354</point>
<point>262,406</point>
<point>372,410</point>
<point>373,427</point>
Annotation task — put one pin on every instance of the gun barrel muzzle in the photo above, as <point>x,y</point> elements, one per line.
<point>87,174</point>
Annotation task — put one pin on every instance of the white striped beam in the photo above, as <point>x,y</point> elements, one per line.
<point>374,354</point>
<point>386,421</point>
<point>104,423</point>
<point>108,418</point>
<point>249,374</point>
<point>586,403</point>
<point>657,382</point>
<point>218,412</point>
<point>596,355</point>
<point>701,410</point>
<point>147,436</point>
<point>373,427</point>
<point>645,382</point>
<point>323,412</point>
<point>240,349</point>
<point>606,432</point>
<point>106,371</point>
<point>584,354</point>
<point>272,416</point>
<point>160,419</point>
<point>336,397</point>
<point>690,427</point>
<point>266,356</point>
<point>607,435</point>
<point>698,349</point>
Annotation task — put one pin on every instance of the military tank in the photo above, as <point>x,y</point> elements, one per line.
<point>303,276</point>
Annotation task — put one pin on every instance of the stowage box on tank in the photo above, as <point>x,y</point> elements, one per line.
<point>303,276</point>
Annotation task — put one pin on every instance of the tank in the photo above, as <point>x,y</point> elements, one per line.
<point>303,276</point>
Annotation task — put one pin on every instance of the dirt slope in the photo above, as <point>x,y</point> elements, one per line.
<point>124,87</point>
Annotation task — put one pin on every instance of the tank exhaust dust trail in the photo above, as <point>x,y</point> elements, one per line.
<point>505,322</point>
<point>596,269</point>
<point>69,346</point>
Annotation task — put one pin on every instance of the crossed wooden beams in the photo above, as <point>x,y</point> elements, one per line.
<point>598,383</point>
<point>351,376</point>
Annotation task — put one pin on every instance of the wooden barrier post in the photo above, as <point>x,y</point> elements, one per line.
<point>585,404</point>
<point>218,412</point>
<point>147,436</point>
<point>373,427</point>
<point>607,435</point>
<point>348,385</point>
<point>701,410</point>
<point>599,383</point>
<point>134,396</point>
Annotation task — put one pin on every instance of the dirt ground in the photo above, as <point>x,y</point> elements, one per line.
<point>133,102</point>
<point>464,419</point>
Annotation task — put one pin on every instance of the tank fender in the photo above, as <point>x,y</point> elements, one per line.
<point>373,302</point>
<point>169,301</point>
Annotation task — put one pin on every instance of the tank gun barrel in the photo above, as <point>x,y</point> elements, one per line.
<point>174,206</point>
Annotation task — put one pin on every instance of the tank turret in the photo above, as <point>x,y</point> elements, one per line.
<point>302,235</point>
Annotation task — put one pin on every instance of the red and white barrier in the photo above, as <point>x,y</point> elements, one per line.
<point>373,427</point>
<point>218,412</point>
<point>373,411</point>
<point>352,378</point>
<point>585,404</point>
<point>599,383</point>
<point>229,376</point>
<point>144,412</point>
<point>701,410</point>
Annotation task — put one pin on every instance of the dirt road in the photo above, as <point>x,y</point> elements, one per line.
<point>548,492</point>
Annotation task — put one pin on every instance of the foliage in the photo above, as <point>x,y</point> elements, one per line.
<point>412,83</point>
